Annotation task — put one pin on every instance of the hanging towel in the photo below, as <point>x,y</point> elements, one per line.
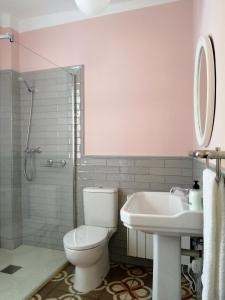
<point>221,240</point>
<point>210,191</point>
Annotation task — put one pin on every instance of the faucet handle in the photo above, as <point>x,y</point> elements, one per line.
<point>38,150</point>
<point>182,191</point>
<point>175,189</point>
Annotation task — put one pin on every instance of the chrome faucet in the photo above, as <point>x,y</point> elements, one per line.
<point>184,191</point>
<point>33,150</point>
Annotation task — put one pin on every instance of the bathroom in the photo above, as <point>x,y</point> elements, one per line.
<point>98,106</point>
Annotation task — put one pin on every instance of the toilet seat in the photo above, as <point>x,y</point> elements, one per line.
<point>85,237</point>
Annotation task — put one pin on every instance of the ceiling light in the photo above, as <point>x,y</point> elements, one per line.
<point>92,7</point>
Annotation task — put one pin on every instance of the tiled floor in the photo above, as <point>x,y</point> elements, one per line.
<point>124,282</point>
<point>32,266</point>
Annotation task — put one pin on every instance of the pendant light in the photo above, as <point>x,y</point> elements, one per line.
<point>92,7</point>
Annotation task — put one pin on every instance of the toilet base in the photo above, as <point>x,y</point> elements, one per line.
<point>88,279</point>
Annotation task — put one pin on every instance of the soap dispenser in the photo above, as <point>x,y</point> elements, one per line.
<point>195,197</point>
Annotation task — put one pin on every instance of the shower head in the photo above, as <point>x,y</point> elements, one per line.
<point>29,88</point>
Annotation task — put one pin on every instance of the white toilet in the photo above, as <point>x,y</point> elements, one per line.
<point>86,247</point>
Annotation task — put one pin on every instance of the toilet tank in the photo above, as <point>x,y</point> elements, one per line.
<point>100,207</point>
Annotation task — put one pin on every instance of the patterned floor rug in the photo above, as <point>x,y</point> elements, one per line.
<point>124,282</point>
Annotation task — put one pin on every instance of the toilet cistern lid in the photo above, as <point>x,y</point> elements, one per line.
<point>100,189</point>
<point>85,237</point>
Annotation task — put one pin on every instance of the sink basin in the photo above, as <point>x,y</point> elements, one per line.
<point>168,217</point>
<point>163,213</point>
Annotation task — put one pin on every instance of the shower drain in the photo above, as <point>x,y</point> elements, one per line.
<point>11,269</point>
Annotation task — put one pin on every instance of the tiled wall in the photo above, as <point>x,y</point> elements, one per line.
<point>130,175</point>
<point>16,162</point>
<point>10,170</point>
<point>45,212</point>
<point>47,201</point>
<point>198,168</point>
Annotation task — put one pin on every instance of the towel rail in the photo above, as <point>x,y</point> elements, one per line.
<point>216,154</point>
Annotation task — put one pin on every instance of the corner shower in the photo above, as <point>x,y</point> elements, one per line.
<point>37,164</point>
<point>28,166</point>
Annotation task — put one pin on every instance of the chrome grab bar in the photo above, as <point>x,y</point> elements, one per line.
<point>54,163</point>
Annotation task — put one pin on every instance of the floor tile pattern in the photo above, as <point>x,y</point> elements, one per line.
<point>124,282</point>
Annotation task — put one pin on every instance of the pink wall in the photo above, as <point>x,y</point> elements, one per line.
<point>9,54</point>
<point>5,53</point>
<point>138,77</point>
<point>209,19</point>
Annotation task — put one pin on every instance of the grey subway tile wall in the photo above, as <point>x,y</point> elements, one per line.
<point>110,172</point>
<point>198,168</point>
<point>16,162</point>
<point>10,170</point>
<point>47,201</point>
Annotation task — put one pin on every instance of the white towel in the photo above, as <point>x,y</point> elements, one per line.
<point>213,277</point>
<point>221,240</point>
<point>209,275</point>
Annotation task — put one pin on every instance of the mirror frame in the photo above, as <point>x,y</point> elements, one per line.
<point>204,136</point>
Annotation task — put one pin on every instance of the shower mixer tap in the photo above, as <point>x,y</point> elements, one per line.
<point>36,150</point>
<point>33,150</point>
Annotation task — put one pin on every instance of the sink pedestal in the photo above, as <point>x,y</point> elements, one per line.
<point>166,267</point>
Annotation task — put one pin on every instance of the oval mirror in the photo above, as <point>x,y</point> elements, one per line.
<point>204,91</point>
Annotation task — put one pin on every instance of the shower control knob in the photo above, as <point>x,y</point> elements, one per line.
<point>50,162</point>
<point>38,150</point>
<point>63,163</point>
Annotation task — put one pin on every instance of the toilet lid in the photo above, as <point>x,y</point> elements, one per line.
<point>85,237</point>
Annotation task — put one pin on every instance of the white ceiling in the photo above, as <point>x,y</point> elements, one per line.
<point>24,15</point>
<point>32,8</point>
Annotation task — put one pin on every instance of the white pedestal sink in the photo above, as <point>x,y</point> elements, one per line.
<point>167,217</point>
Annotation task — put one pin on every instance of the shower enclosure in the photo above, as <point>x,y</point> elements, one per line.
<point>47,146</point>
<point>37,149</point>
